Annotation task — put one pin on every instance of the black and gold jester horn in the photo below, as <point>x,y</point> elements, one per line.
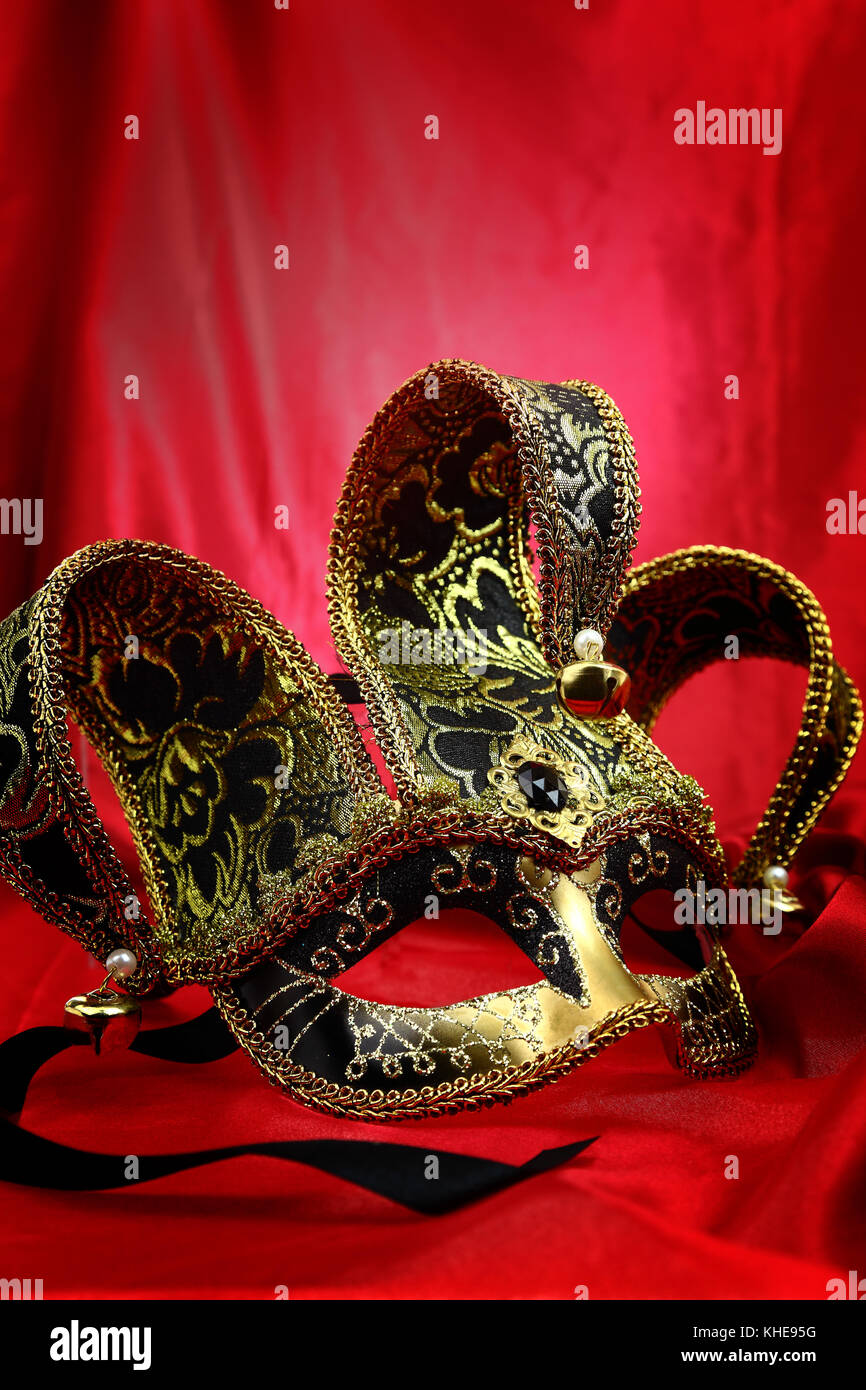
<point>511,670</point>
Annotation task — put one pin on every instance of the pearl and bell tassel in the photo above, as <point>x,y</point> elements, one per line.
<point>775,877</point>
<point>591,688</point>
<point>109,1019</point>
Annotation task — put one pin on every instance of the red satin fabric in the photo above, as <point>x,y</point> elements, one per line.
<point>155,257</point>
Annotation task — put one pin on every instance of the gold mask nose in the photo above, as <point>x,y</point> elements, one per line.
<point>609,984</point>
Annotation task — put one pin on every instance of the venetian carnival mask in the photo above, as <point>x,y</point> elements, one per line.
<point>511,667</point>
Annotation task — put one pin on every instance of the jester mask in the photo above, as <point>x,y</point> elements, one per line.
<point>511,667</point>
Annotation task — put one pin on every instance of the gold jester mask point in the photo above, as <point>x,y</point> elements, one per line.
<point>512,667</point>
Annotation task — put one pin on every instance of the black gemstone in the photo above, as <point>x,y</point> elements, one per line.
<point>542,786</point>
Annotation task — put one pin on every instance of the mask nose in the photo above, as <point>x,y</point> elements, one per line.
<point>608,984</point>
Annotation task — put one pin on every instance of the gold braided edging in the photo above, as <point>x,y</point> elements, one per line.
<point>466,1093</point>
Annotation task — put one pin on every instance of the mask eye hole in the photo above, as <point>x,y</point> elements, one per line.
<point>652,941</point>
<point>458,955</point>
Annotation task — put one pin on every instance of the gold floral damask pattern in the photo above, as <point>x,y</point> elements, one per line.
<point>217,747</point>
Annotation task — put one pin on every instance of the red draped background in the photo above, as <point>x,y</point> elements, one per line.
<point>154,257</point>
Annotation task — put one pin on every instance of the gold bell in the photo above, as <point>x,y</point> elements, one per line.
<point>109,1019</point>
<point>775,877</point>
<point>590,688</point>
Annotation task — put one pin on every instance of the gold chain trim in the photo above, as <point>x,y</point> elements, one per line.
<point>776,839</point>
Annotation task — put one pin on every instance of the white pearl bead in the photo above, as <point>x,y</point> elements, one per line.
<point>775,876</point>
<point>121,963</point>
<point>589,644</point>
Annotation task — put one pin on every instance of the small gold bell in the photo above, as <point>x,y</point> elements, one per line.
<point>109,1019</point>
<point>590,688</point>
<point>775,877</point>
